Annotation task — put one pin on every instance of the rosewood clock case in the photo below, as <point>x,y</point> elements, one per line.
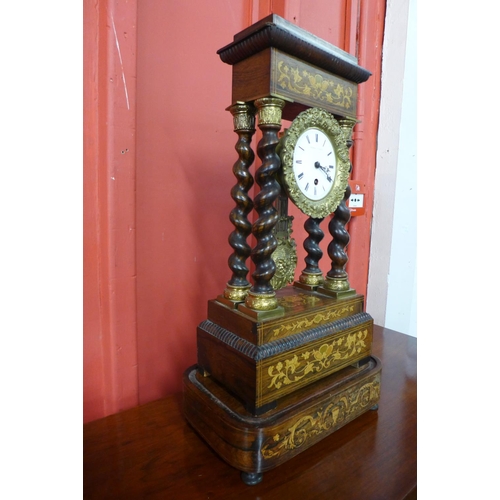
<point>280,369</point>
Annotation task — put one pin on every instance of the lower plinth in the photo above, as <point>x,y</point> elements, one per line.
<point>253,444</point>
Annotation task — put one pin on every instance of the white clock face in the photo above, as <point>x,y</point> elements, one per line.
<point>314,164</point>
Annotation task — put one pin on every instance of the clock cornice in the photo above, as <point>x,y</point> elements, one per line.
<point>276,32</point>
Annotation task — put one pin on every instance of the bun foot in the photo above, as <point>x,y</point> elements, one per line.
<point>252,478</point>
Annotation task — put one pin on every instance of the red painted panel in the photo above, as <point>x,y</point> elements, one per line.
<point>370,39</point>
<point>325,19</point>
<point>110,366</point>
<point>93,370</point>
<point>184,176</point>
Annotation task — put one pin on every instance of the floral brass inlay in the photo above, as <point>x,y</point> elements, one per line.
<point>341,409</point>
<point>308,322</point>
<point>302,81</point>
<point>298,299</point>
<point>313,361</point>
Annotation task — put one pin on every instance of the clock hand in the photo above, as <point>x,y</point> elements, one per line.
<point>317,165</point>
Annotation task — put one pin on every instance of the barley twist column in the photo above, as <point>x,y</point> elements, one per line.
<point>312,276</point>
<point>262,296</point>
<point>336,279</point>
<point>244,125</point>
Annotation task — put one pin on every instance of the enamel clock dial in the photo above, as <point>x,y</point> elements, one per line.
<point>315,161</point>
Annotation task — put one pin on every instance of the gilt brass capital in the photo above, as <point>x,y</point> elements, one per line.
<point>269,109</point>
<point>347,125</point>
<point>243,116</point>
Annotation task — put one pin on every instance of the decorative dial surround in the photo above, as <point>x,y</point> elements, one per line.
<point>315,160</point>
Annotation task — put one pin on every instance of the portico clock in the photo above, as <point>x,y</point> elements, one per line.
<point>284,362</point>
<point>315,161</point>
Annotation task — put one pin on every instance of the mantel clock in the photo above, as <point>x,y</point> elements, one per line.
<point>281,363</point>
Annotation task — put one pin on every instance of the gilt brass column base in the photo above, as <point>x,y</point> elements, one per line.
<point>261,306</point>
<point>337,287</point>
<point>234,295</point>
<point>308,281</point>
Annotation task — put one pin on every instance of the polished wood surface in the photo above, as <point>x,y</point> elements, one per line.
<point>274,31</point>
<point>151,451</point>
<point>299,315</point>
<point>256,444</point>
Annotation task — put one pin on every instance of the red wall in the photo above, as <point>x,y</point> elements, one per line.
<point>184,158</point>
<point>109,343</point>
<point>159,150</point>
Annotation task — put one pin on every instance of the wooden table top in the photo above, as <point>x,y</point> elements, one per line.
<point>151,452</point>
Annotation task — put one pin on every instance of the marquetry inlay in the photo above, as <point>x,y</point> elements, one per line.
<point>323,420</point>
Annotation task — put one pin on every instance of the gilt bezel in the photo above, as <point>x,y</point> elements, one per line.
<point>321,119</point>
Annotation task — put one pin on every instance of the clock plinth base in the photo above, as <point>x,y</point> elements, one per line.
<point>255,444</point>
<point>261,361</point>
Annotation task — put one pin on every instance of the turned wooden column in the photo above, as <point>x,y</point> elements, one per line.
<point>312,276</point>
<point>262,296</point>
<point>336,280</point>
<point>244,125</point>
